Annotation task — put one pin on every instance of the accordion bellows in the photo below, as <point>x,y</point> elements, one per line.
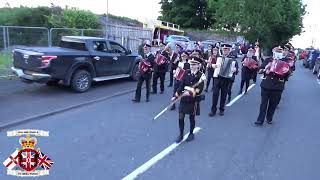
<point>160,59</point>
<point>144,66</point>
<point>278,67</point>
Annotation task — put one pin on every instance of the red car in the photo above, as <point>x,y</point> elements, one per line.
<point>303,54</point>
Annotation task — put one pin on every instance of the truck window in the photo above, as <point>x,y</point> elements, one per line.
<point>73,45</point>
<point>100,46</point>
<point>116,48</point>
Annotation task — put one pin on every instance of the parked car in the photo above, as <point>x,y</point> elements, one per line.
<point>205,45</point>
<point>303,55</point>
<point>77,62</point>
<point>307,59</point>
<point>316,67</point>
<point>314,56</point>
<point>178,38</point>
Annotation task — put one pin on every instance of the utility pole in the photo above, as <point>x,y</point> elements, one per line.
<point>107,19</point>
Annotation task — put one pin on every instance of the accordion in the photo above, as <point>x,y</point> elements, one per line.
<point>250,63</point>
<point>144,66</point>
<point>211,60</point>
<point>278,67</point>
<point>178,75</point>
<point>160,59</point>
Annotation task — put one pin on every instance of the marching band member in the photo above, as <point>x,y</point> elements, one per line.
<point>174,56</point>
<point>232,81</point>
<point>276,72</point>
<point>225,68</point>
<point>191,87</point>
<point>213,54</point>
<point>259,59</point>
<point>145,67</point>
<point>160,68</point>
<point>289,55</point>
<point>182,66</point>
<point>249,67</point>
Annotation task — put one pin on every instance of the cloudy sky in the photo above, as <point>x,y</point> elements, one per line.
<point>144,10</point>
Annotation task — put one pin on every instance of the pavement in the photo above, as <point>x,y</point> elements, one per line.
<point>112,138</point>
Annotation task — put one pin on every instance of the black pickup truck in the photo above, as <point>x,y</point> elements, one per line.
<point>76,62</point>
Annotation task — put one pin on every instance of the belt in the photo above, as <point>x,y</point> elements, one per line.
<point>274,78</point>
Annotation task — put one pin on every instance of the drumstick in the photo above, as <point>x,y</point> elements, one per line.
<point>202,79</point>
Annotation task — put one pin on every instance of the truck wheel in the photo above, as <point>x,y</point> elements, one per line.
<point>81,81</point>
<point>135,72</point>
<point>52,83</point>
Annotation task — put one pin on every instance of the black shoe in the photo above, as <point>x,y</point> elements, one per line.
<point>147,100</point>
<point>229,99</point>
<point>245,92</point>
<point>221,113</point>
<point>190,137</point>
<point>170,85</point>
<point>206,90</point>
<point>179,139</point>
<point>161,92</point>
<point>173,107</point>
<point>258,123</point>
<point>153,92</point>
<point>240,92</point>
<point>269,122</point>
<point>135,100</point>
<point>211,114</point>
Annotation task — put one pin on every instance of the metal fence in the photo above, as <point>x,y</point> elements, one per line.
<point>12,36</point>
<point>129,37</point>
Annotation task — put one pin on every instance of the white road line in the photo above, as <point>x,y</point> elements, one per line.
<point>318,81</point>
<point>157,158</point>
<point>239,96</point>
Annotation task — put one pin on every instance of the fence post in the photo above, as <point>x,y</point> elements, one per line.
<point>8,39</point>
<point>128,42</point>
<point>48,31</point>
<point>122,40</point>
<point>81,32</point>
<point>4,38</point>
<point>50,37</point>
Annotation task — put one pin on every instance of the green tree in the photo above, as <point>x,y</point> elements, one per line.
<point>186,13</point>
<point>74,18</point>
<point>273,22</point>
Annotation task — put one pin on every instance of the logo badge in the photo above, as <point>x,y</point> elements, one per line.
<point>28,161</point>
<point>26,57</point>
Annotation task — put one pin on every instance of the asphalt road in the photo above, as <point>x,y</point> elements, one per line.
<point>112,138</point>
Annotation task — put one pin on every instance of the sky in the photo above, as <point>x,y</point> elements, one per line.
<point>146,10</point>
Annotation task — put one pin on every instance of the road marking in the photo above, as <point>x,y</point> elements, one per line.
<point>318,81</point>
<point>157,158</point>
<point>239,96</point>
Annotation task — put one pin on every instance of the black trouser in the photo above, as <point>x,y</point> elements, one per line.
<point>139,85</point>
<point>269,102</point>
<point>247,81</point>
<point>254,76</point>
<point>175,88</point>
<point>230,88</point>
<point>156,76</point>
<point>210,76</point>
<point>171,75</point>
<point>181,123</point>
<point>221,84</point>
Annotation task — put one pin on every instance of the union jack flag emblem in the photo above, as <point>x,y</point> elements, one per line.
<point>44,161</point>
